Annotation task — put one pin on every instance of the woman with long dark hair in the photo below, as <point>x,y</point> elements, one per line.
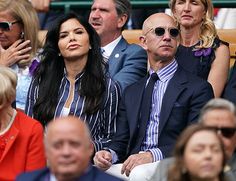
<point>71,80</point>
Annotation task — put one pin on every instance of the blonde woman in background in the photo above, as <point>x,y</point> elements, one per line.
<point>21,137</point>
<point>201,51</point>
<point>19,43</point>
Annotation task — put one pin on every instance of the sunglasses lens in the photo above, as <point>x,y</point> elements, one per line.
<point>159,31</point>
<point>4,26</point>
<point>174,32</point>
<point>228,132</point>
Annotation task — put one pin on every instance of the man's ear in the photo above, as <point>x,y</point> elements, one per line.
<point>143,41</point>
<point>122,20</point>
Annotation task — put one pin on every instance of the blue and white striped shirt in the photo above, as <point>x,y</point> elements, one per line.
<point>150,142</point>
<point>102,124</point>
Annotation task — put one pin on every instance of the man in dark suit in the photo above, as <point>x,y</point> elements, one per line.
<point>230,88</point>
<point>127,62</point>
<point>148,125</point>
<point>218,114</point>
<point>69,149</point>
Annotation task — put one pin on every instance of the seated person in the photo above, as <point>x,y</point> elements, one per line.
<point>68,147</point>
<point>21,137</point>
<point>221,115</point>
<point>201,52</point>
<point>19,45</point>
<point>156,109</point>
<point>197,158</point>
<point>230,88</point>
<point>70,80</point>
<point>126,62</point>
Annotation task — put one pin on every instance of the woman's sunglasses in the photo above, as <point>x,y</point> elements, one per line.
<point>224,131</point>
<point>5,26</point>
<point>159,31</point>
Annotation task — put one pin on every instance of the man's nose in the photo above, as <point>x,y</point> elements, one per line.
<point>66,150</point>
<point>95,14</point>
<point>167,36</point>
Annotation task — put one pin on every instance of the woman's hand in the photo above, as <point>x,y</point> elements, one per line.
<point>19,50</point>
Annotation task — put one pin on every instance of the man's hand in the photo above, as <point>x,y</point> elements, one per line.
<point>135,160</point>
<point>103,159</point>
<point>41,5</point>
<point>17,51</point>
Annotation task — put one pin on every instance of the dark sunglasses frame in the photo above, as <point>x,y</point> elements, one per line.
<point>6,26</point>
<point>160,31</point>
<point>226,132</point>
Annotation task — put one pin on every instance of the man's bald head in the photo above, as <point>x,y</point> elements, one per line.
<point>154,19</point>
<point>63,124</point>
<point>160,38</point>
<point>68,147</point>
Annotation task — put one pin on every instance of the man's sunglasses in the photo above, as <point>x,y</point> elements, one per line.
<point>224,131</point>
<point>159,31</point>
<point>7,25</point>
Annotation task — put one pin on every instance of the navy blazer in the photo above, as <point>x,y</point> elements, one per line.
<point>127,63</point>
<point>230,89</point>
<point>92,175</point>
<point>185,95</point>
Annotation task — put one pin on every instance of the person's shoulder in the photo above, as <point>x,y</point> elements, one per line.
<point>101,176</point>
<point>218,42</point>
<point>131,46</point>
<point>24,122</point>
<point>133,87</point>
<point>136,48</point>
<point>33,175</point>
<point>112,85</point>
<point>26,119</point>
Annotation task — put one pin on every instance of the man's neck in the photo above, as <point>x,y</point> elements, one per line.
<point>157,65</point>
<point>105,40</point>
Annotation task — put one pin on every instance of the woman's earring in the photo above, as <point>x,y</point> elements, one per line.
<point>90,47</point>
<point>59,54</point>
<point>22,35</point>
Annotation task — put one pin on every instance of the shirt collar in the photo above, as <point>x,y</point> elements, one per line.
<point>110,47</point>
<point>167,72</point>
<point>78,76</point>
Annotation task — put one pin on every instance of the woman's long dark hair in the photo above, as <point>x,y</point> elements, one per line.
<point>50,73</point>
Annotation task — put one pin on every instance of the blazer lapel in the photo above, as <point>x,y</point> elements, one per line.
<point>135,104</point>
<point>174,88</point>
<point>116,55</point>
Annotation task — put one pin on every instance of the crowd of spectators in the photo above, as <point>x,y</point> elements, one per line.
<point>86,104</point>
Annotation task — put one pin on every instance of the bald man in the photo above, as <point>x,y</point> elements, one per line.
<point>155,110</point>
<point>68,148</point>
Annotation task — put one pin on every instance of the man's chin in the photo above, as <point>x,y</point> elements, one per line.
<point>68,174</point>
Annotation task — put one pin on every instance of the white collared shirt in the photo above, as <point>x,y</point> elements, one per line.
<point>110,47</point>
